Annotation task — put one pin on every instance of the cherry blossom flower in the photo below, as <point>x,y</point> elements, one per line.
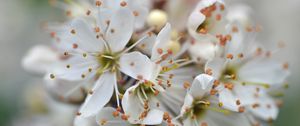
<point>244,71</point>
<point>93,54</point>
<point>202,109</point>
<point>206,19</point>
<point>216,19</point>
<point>159,85</point>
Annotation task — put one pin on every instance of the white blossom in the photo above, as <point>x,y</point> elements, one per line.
<point>245,70</point>
<point>160,88</point>
<point>202,109</point>
<point>93,54</point>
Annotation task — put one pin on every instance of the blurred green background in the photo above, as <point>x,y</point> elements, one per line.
<point>20,22</point>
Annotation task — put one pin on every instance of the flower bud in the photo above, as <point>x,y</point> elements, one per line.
<point>157,18</point>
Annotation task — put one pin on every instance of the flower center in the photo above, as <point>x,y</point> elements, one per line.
<point>108,61</point>
<point>204,27</point>
<point>146,90</point>
<point>229,73</point>
<point>199,108</point>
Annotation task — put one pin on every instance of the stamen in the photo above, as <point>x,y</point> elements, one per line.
<point>259,51</point>
<point>241,55</point>
<point>213,92</point>
<point>222,7</point>
<point>98,3</point>
<point>218,17</point>
<point>186,85</point>
<point>144,93</point>
<point>73,31</point>
<point>256,105</point>
<point>133,45</point>
<point>75,46</point>
<point>285,66</point>
<point>220,104</point>
<point>115,113</point>
<point>167,69</point>
<point>208,71</point>
<point>249,29</point>
<point>84,55</point>
<point>140,97</point>
<point>117,94</point>
<point>97,29</point>
<point>53,34</point>
<point>238,102</point>
<point>224,111</point>
<point>185,63</point>
<point>228,86</point>
<point>52,76</point>
<point>103,122</point>
<point>68,66</point>
<point>256,83</point>
<point>235,29</point>
<point>229,56</point>
<point>136,13</point>
<point>88,12</point>
<point>123,4</point>
<point>124,117</point>
<point>241,109</point>
<point>108,57</point>
<point>83,76</point>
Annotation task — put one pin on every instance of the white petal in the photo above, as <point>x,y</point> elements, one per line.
<point>228,100</point>
<point>102,92</point>
<point>132,106</point>
<point>103,16</point>
<point>263,70</point>
<point>267,108</point>
<point>111,4</point>
<point>246,94</point>
<point>241,42</point>
<point>171,100</point>
<point>204,51</point>
<point>216,65</point>
<point>190,122</point>
<point>162,40</point>
<point>182,75</point>
<point>195,19</point>
<point>147,44</point>
<point>84,36</point>
<point>120,29</point>
<point>201,86</point>
<point>136,64</point>
<point>239,13</point>
<point>78,66</point>
<point>154,117</point>
<point>70,90</point>
<point>81,121</point>
<point>231,119</point>
<point>106,117</point>
<point>142,9</point>
<point>188,101</point>
<point>40,59</point>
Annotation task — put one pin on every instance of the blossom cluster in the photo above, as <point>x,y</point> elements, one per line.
<point>160,62</point>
